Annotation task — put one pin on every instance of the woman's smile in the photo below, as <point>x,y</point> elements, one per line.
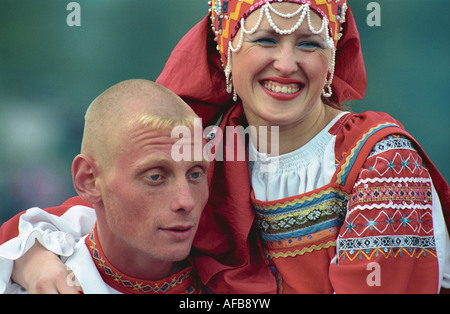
<point>280,78</point>
<point>282,88</point>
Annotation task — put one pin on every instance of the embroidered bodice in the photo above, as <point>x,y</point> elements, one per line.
<point>372,202</point>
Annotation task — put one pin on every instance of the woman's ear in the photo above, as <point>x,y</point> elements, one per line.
<point>84,176</point>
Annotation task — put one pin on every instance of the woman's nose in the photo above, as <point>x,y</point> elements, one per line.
<point>286,62</point>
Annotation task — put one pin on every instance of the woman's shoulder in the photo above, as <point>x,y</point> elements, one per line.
<point>355,129</point>
<point>357,135</point>
<point>355,123</point>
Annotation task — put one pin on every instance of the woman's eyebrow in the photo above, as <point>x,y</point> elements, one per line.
<point>300,33</point>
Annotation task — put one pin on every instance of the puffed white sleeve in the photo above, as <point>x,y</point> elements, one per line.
<point>58,234</point>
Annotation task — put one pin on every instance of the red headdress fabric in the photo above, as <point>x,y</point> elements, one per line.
<point>228,254</point>
<point>226,17</point>
<point>194,70</point>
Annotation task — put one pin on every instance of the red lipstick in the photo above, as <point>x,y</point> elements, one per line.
<point>282,88</point>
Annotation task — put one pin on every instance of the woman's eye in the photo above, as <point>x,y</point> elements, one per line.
<point>309,45</point>
<point>265,41</point>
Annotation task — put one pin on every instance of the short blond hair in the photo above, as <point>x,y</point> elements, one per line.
<point>130,104</point>
<point>160,123</point>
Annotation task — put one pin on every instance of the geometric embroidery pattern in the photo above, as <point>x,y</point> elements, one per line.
<point>133,286</point>
<point>389,210</point>
<point>396,165</point>
<point>392,193</point>
<point>302,217</point>
<point>415,221</point>
<point>392,142</point>
<point>391,241</point>
<point>387,246</point>
<point>368,254</point>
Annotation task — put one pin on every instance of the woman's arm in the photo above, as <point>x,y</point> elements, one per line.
<point>394,237</point>
<point>10,229</point>
<point>42,237</point>
<point>40,271</point>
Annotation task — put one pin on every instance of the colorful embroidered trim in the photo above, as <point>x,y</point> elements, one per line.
<point>308,239</point>
<point>392,193</point>
<point>288,222</point>
<point>180,283</point>
<point>387,246</point>
<point>289,203</point>
<point>271,255</point>
<point>392,142</point>
<point>350,159</point>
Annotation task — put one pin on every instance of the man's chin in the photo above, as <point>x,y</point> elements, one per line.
<point>177,253</point>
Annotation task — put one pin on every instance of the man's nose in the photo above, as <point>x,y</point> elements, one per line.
<point>183,198</point>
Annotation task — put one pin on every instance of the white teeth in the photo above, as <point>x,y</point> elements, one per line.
<point>281,89</point>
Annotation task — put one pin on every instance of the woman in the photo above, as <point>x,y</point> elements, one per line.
<point>320,204</point>
<point>354,204</point>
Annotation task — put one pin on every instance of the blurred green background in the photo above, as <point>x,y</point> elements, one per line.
<point>50,72</point>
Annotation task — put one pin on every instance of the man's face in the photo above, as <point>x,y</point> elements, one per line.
<point>152,203</point>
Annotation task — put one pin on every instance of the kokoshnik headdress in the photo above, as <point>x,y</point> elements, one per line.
<point>195,70</point>
<point>228,16</point>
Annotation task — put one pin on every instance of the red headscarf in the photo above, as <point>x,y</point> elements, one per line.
<point>227,251</point>
<point>194,70</point>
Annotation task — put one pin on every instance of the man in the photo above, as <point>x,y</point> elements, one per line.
<point>147,205</point>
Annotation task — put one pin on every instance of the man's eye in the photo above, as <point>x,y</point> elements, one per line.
<point>196,175</point>
<point>154,177</point>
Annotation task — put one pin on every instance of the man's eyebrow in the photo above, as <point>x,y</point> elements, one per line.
<point>167,162</point>
<point>203,163</point>
<point>158,161</point>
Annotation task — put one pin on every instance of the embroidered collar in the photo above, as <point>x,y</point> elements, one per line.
<point>183,282</point>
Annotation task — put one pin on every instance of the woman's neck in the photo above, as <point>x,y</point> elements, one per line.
<point>291,137</point>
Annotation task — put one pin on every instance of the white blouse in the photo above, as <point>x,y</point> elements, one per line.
<point>305,169</point>
<point>312,166</point>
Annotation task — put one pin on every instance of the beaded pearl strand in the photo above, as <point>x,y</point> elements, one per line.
<point>303,11</point>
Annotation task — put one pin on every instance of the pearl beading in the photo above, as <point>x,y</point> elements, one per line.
<point>303,11</point>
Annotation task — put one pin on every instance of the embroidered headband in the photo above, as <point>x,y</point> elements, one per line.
<point>228,16</point>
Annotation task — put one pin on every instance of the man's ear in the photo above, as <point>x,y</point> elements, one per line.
<point>84,176</point>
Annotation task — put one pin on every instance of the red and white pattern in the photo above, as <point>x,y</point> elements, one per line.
<point>390,218</point>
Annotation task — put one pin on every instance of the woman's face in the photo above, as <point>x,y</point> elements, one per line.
<point>280,78</point>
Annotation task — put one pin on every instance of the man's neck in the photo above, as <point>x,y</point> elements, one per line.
<point>130,262</point>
